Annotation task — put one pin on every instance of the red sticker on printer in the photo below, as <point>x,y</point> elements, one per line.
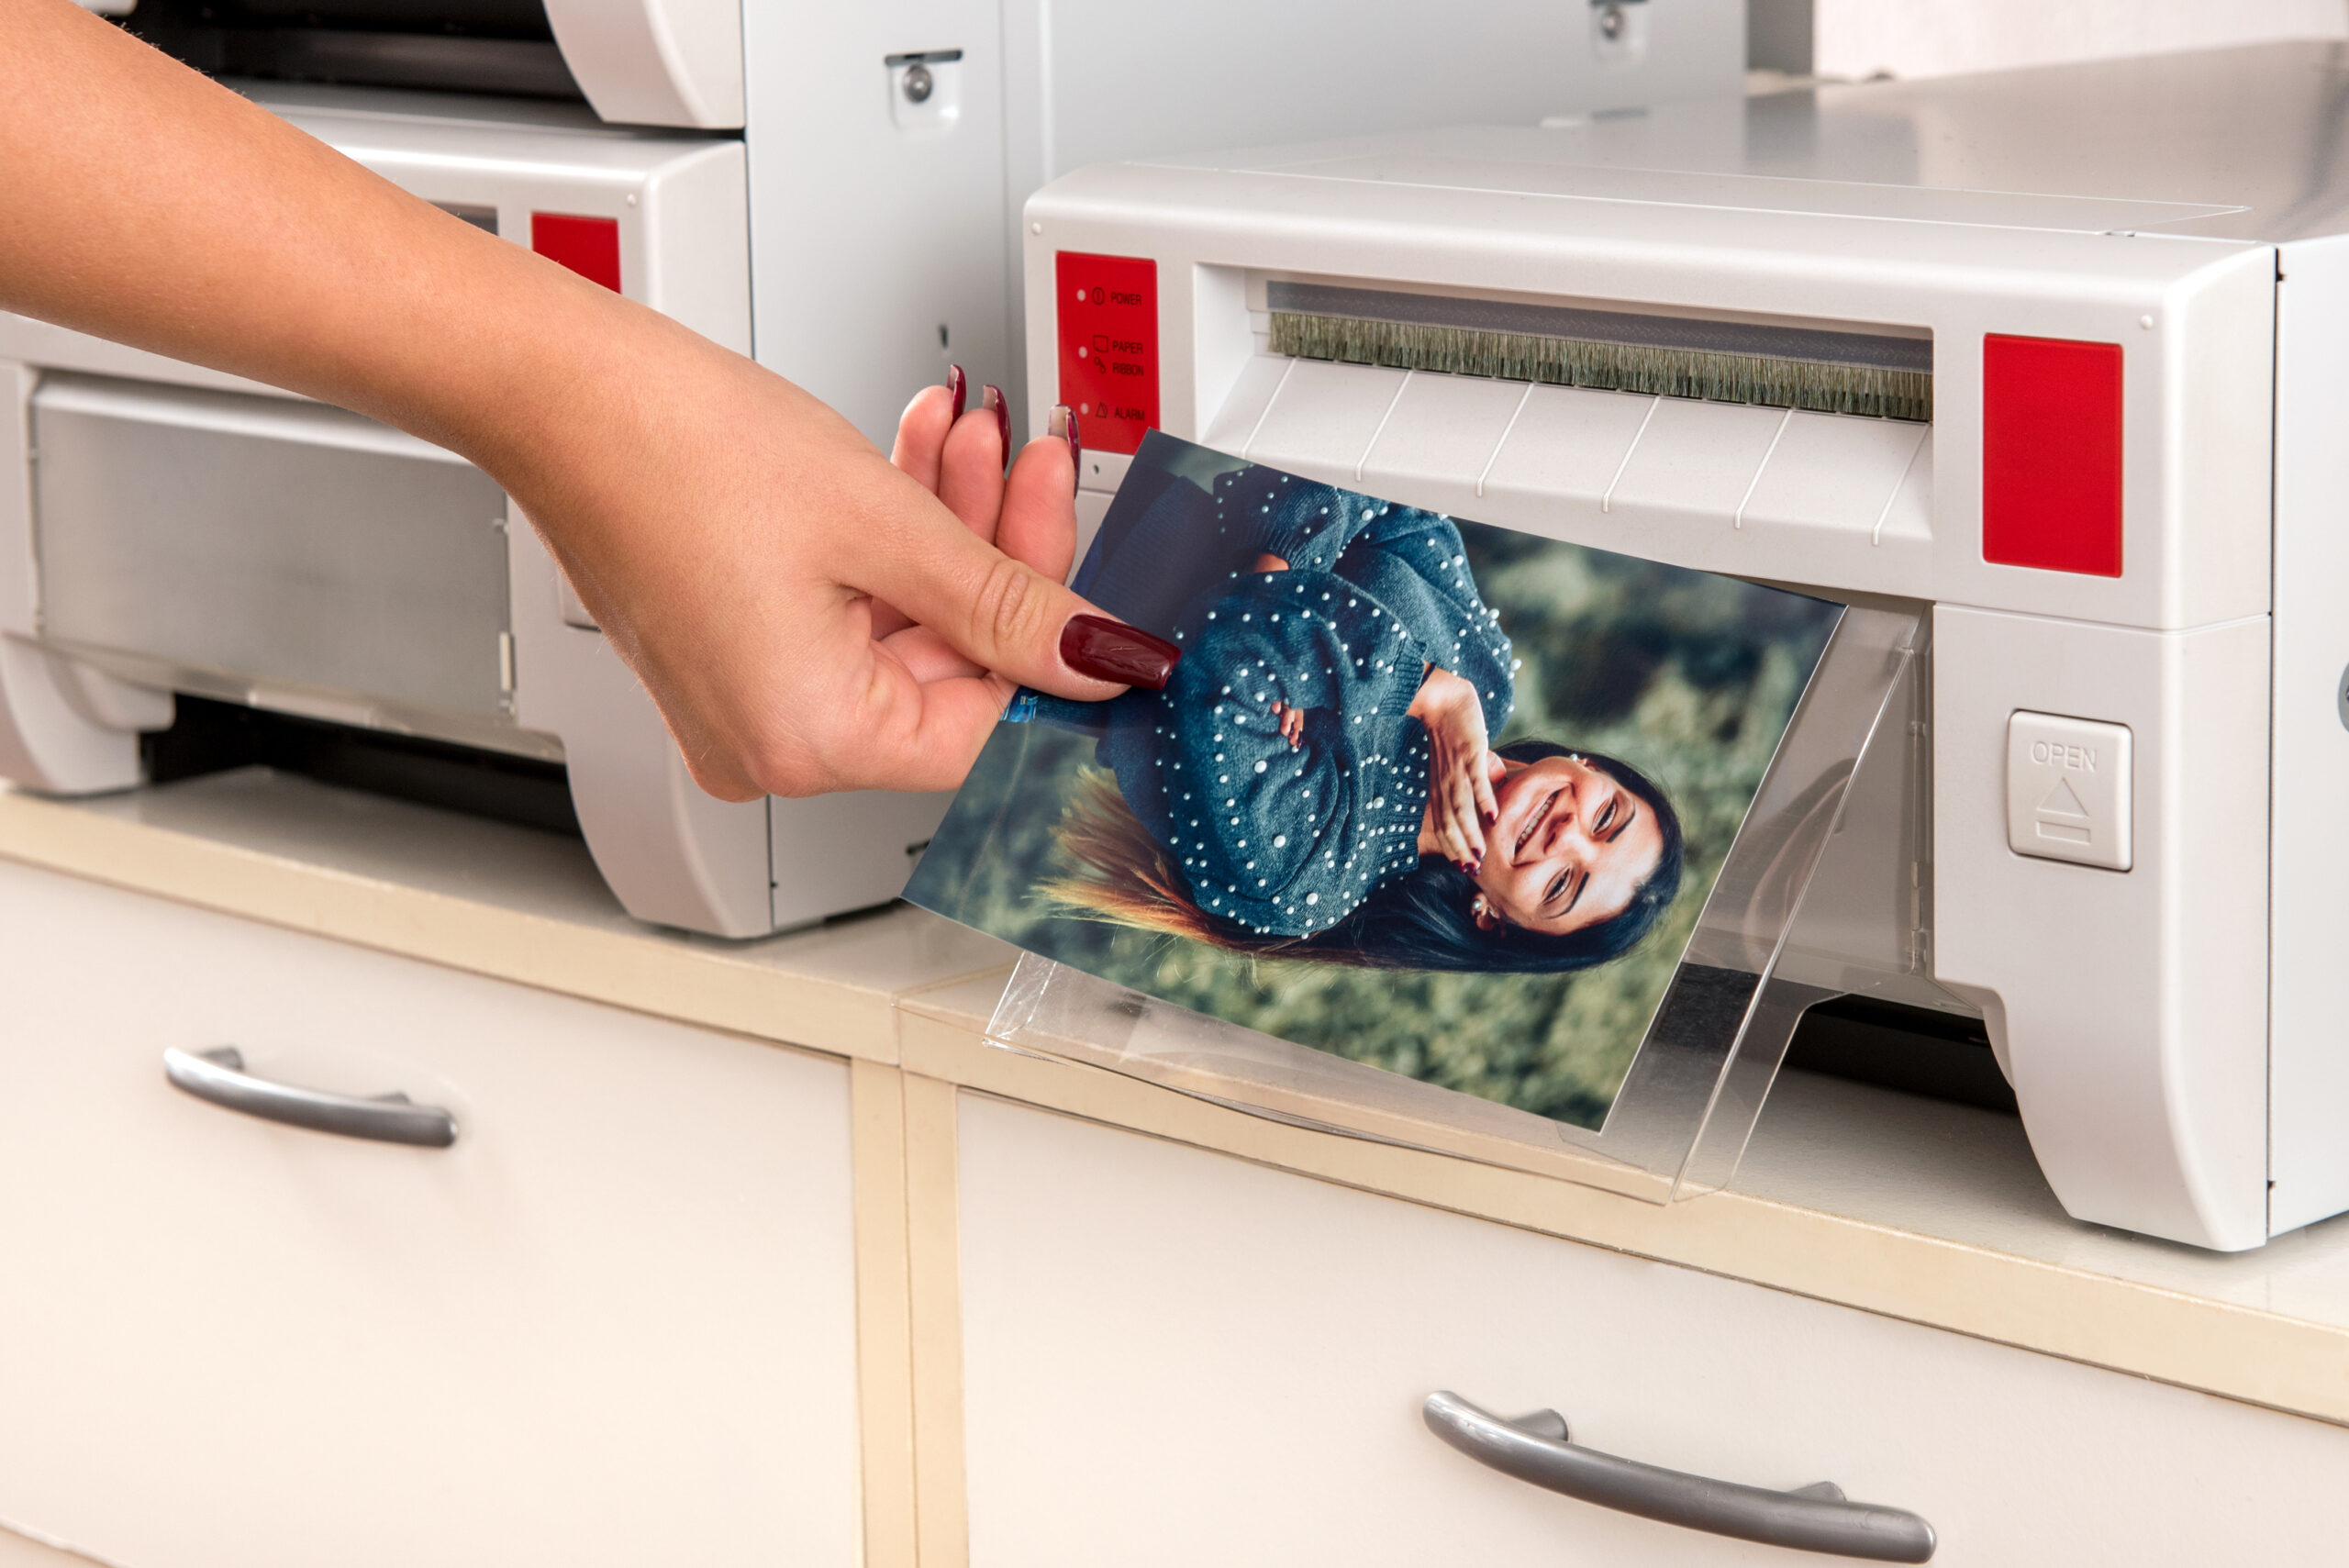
<point>1108,320</point>
<point>588,246</point>
<point>2051,454</point>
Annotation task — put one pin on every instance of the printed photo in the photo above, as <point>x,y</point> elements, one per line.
<point>1439,797</point>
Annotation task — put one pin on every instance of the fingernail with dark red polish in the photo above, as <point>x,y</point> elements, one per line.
<point>1064,424</point>
<point>1112,651</point>
<point>995,400</point>
<point>959,385</point>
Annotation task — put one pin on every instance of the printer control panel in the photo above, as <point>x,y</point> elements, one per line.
<point>1108,346</point>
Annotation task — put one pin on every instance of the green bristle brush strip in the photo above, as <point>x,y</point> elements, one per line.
<point>1828,370</point>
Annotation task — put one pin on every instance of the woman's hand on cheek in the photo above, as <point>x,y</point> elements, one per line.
<point>1460,776</point>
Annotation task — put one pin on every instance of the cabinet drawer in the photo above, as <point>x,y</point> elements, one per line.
<point>1173,1357</point>
<point>615,1323</point>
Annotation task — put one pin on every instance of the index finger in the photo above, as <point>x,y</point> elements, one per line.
<point>1487,803</point>
<point>1472,826</point>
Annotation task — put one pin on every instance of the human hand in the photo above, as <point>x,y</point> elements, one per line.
<point>809,616</point>
<point>1292,724</point>
<point>958,454</point>
<point>1461,766</point>
<point>739,542</point>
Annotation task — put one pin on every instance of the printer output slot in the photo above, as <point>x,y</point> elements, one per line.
<point>1917,1050</point>
<point>1883,376</point>
<point>1837,502</point>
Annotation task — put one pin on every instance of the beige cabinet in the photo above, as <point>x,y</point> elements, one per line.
<point>675,1294</point>
<point>1171,1357</point>
<point>614,1324</point>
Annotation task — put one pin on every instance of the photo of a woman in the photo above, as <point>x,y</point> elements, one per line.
<point>1434,796</point>
<point>1317,780</point>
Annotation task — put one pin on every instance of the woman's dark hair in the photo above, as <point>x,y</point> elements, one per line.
<point>1423,919</point>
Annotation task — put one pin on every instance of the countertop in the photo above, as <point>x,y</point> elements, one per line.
<point>1921,1210</point>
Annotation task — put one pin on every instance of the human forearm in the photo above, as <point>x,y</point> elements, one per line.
<point>143,203</point>
<point>732,534</point>
<point>227,238</point>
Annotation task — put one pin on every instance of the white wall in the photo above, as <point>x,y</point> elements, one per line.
<point>1939,38</point>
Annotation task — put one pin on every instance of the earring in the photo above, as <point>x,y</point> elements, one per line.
<point>1480,907</point>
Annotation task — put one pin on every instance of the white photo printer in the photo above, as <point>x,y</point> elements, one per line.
<point>834,190</point>
<point>2053,357</point>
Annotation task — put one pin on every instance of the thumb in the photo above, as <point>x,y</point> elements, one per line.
<point>1002,614</point>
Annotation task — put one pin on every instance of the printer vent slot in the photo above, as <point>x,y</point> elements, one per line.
<point>210,738</point>
<point>1773,366</point>
<point>504,46</point>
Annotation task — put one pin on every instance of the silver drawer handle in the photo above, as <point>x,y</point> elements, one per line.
<point>1815,1519</point>
<point>219,1076</point>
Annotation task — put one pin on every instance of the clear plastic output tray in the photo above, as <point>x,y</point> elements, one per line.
<point>1695,1088</point>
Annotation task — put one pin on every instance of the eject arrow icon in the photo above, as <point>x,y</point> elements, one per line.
<point>2062,815</point>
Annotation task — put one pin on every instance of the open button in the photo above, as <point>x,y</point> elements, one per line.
<point>2068,790</point>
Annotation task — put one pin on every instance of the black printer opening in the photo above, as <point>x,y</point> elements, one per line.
<point>1943,1056</point>
<point>505,47</point>
<point>208,736</point>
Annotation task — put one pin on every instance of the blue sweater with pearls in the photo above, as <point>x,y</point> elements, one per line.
<point>1281,841</point>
